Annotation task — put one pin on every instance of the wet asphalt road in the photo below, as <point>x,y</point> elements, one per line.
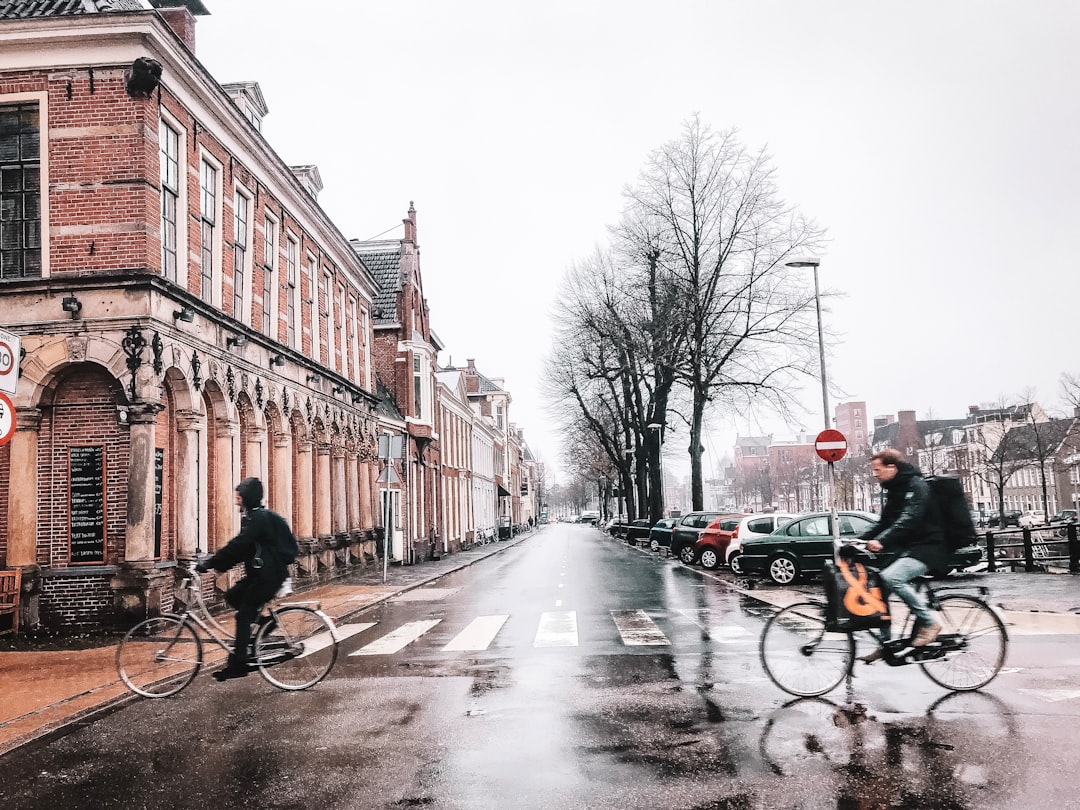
<point>555,708</point>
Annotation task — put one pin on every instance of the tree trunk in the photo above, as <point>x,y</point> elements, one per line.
<point>697,450</point>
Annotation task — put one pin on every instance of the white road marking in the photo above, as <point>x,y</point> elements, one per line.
<point>425,594</point>
<point>722,633</point>
<point>637,629</point>
<point>320,641</point>
<point>1053,695</point>
<point>397,640</point>
<point>479,633</point>
<point>557,629</point>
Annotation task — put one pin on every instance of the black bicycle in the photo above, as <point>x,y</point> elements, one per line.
<point>805,655</point>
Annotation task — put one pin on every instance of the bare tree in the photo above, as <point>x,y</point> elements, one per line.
<point>723,236</point>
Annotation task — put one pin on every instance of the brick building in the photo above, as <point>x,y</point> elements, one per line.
<point>189,314</point>
<point>405,358</point>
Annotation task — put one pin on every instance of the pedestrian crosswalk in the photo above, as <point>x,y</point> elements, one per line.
<point>555,629</point>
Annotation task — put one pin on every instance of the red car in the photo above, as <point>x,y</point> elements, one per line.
<point>711,547</point>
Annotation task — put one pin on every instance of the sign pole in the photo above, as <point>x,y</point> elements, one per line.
<point>831,445</point>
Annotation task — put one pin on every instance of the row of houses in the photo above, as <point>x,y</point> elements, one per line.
<point>1013,457</point>
<point>190,316</point>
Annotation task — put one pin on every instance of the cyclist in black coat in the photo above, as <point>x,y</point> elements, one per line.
<point>266,546</point>
<point>910,527</point>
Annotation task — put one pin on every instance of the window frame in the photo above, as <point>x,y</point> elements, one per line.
<point>243,202</point>
<point>271,247</point>
<point>40,102</point>
<point>174,190</point>
<point>210,289</point>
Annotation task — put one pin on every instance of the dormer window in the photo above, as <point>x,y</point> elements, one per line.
<point>248,98</point>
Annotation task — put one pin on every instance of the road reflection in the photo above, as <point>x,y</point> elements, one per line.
<point>942,760</point>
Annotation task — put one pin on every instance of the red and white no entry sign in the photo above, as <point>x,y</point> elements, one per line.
<point>831,445</point>
<point>7,419</point>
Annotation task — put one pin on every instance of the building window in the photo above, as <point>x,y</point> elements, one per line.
<point>339,336</point>
<point>170,198</point>
<point>313,298</point>
<point>499,417</point>
<point>292,257</point>
<point>417,388</point>
<point>325,305</point>
<point>20,191</point>
<point>269,298</point>
<point>240,255</point>
<point>208,228</point>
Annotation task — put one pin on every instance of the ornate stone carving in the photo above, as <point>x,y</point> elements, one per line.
<point>77,348</point>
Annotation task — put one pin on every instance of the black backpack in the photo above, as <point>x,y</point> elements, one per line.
<point>953,509</point>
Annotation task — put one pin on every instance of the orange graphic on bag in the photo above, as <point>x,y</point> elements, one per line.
<point>859,599</point>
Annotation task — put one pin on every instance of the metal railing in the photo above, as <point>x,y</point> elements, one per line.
<point>1034,548</point>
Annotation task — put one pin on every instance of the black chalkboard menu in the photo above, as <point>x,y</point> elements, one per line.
<point>87,504</point>
<point>159,469</point>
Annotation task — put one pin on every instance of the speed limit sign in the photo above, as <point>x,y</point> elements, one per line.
<point>10,350</point>
<point>7,419</point>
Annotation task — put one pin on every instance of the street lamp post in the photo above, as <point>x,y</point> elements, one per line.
<point>656,426</point>
<point>810,261</point>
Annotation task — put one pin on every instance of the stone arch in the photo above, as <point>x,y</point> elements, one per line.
<point>220,451</point>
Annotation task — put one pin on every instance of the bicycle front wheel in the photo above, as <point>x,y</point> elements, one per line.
<point>974,644</point>
<point>158,657</point>
<point>800,656</point>
<point>296,649</point>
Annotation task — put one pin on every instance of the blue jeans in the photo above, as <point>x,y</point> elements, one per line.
<point>897,578</point>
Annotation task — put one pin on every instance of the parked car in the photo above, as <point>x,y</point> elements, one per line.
<point>753,526</point>
<point>660,534</point>
<point>1012,518</point>
<point>1032,517</point>
<point>590,516</point>
<point>712,544</point>
<point>1064,516</point>
<point>636,531</point>
<point>685,533</point>
<point>616,527</point>
<point>803,545</point>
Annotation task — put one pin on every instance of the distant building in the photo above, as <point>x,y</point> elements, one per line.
<point>853,422</point>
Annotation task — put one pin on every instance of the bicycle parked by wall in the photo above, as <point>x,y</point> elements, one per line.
<point>295,646</point>
<point>804,654</point>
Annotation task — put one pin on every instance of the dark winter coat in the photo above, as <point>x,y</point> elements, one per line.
<point>910,525</point>
<point>265,546</point>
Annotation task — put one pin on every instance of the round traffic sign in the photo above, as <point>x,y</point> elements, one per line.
<point>7,419</point>
<point>7,359</point>
<point>831,445</point>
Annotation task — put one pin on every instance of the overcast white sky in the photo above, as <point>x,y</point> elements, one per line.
<point>936,141</point>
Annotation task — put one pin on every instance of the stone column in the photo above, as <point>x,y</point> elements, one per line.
<point>255,460</point>
<point>186,492</point>
<point>322,486</point>
<point>227,516</point>
<point>367,494</point>
<point>138,582</point>
<point>22,508</point>
<point>339,509</point>
<point>305,525</point>
<point>352,494</point>
<point>282,501</point>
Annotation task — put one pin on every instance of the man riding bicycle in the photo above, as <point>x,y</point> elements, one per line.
<point>266,546</point>
<point>910,526</point>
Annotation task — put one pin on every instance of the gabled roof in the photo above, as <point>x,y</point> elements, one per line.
<point>1022,442</point>
<point>386,407</point>
<point>383,260</point>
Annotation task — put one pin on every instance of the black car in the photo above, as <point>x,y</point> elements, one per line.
<point>660,534</point>
<point>803,545</point>
<point>638,530</point>
<point>1012,518</point>
<point>685,533</point>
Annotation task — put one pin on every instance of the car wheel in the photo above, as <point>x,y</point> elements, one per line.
<point>783,570</point>
<point>710,559</point>
<point>736,563</point>
<point>686,554</point>
<point>654,545</point>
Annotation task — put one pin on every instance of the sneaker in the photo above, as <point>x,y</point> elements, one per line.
<point>926,635</point>
<point>236,668</point>
<point>875,654</point>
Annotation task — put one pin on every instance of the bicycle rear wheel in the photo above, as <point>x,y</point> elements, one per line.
<point>158,657</point>
<point>296,648</point>
<point>800,656</point>
<point>974,644</point>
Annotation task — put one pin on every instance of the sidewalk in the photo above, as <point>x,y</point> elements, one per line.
<point>44,688</point>
<point>47,687</point>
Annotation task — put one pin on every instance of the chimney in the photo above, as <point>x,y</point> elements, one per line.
<point>471,365</point>
<point>180,15</point>
<point>410,224</point>
<point>972,410</point>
